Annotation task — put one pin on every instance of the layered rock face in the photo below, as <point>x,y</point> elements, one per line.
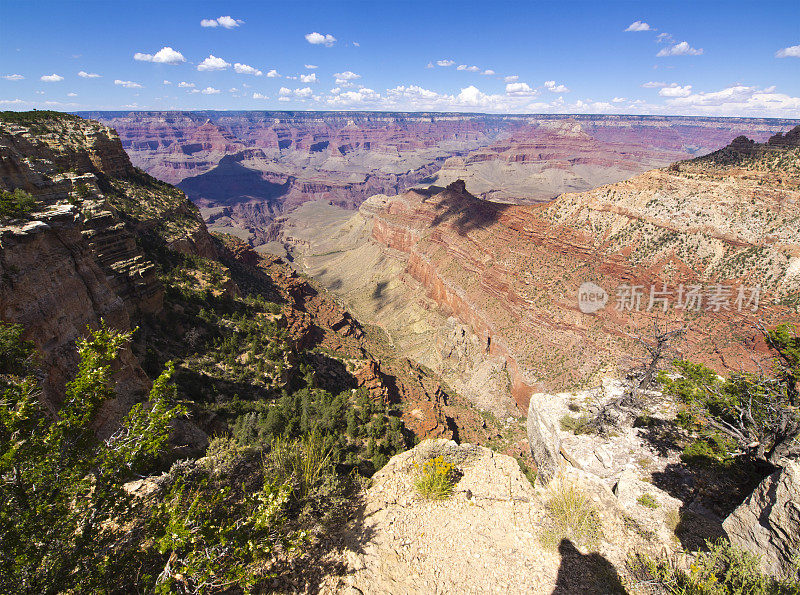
<point>76,261</point>
<point>512,273</point>
<point>245,169</point>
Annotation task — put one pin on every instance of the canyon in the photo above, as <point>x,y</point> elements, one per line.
<point>481,291</point>
<point>248,170</point>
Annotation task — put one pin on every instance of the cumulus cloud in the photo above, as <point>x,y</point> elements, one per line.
<point>283,92</point>
<point>304,92</point>
<point>445,62</point>
<point>166,82</point>
<point>664,38</point>
<point>311,66</point>
<point>245,69</point>
<point>346,78</point>
<point>792,51</point>
<point>679,49</point>
<point>618,100</point>
<point>88,75</point>
<point>739,100</point>
<point>360,97</point>
<point>12,101</point>
<point>512,78</point>
<point>554,88</point>
<point>273,74</point>
<point>213,63</point>
<point>51,78</point>
<point>638,26</point>
<point>227,22</point>
<point>520,90</point>
<point>210,91</point>
<point>308,78</point>
<point>468,68</point>
<point>165,55</point>
<point>185,85</point>
<point>128,84</point>
<point>260,96</point>
<point>429,65</point>
<point>72,94</point>
<point>488,72</point>
<point>675,90</point>
<point>319,39</point>
<point>13,77</point>
<point>654,85</point>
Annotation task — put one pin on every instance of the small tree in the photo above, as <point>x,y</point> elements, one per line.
<point>61,488</point>
<point>759,412</point>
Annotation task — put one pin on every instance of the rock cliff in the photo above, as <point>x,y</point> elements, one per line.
<point>512,273</point>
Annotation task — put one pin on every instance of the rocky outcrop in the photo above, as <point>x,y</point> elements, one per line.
<point>78,260</point>
<point>543,439</point>
<point>768,522</point>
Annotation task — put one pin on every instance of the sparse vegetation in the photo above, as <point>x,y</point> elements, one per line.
<point>16,205</point>
<point>571,515</point>
<point>647,501</point>
<point>722,570</point>
<point>435,478</point>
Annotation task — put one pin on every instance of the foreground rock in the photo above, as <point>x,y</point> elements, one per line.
<point>485,538</point>
<point>768,522</point>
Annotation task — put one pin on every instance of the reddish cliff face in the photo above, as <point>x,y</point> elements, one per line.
<point>512,273</point>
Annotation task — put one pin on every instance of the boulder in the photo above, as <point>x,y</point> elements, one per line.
<point>543,439</point>
<point>768,522</point>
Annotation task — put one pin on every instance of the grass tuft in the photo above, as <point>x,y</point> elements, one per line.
<point>571,515</point>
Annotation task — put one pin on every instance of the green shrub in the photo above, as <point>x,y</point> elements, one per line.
<point>17,204</point>
<point>571,515</point>
<point>722,570</point>
<point>576,425</point>
<point>647,501</point>
<point>435,479</point>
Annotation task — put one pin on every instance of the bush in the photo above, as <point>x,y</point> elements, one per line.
<point>576,425</point>
<point>647,501</point>
<point>436,479</point>
<point>722,570</point>
<point>17,204</point>
<point>571,515</point>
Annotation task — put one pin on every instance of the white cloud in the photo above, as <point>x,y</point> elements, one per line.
<point>618,100</point>
<point>284,98</point>
<point>664,38</point>
<point>513,78</point>
<point>13,77</point>
<point>344,79</point>
<point>245,69</point>
<point>792,51</point>
<point>308,78</point>
<point>311,66</point>
<point>227,22</point>
<point>185,85</point>
<point>51,78</point>
<point>165,55</point>
<point>128,84</point>
<point>210,91</point>
<point>679,49</point>
<point>654,85</point>
<point>284,92</point>
<point>12,101</point>
<point>554,88</point>
<point>739,100</point>
<point>488,72</point>
<point>213,63</point>
<point>638,26</point>
<point>361,96</point>
<point>304,92</point>
<point>355,43</point>
<point>273,74</point>
<point>166,82</point>
<point>468,68</point>
<point>319,39</point>
<point>520,90</point>
<point>675,90</point>
<point>429,65</point>
<point>88,75</point>
<point>260,96</point>
<point>445,62</point>
<point>72,94</point>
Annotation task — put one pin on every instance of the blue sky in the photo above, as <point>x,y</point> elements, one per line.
<point>704,58</point>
